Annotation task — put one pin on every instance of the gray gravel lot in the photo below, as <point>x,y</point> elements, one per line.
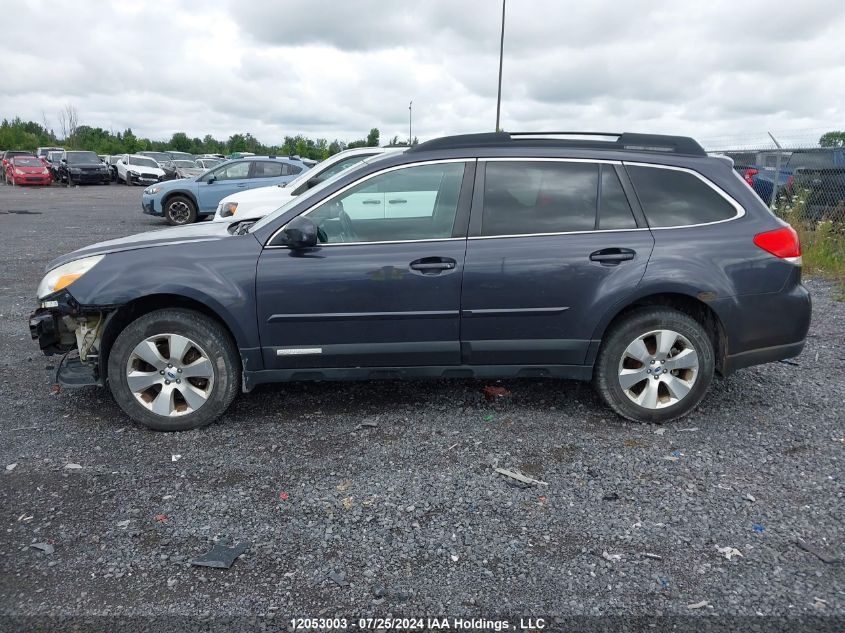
<point>380,497</point>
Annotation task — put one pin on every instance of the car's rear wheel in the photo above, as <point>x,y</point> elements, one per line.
<point>179,210</point>
<point>174,370</point>
<point>655,365</point>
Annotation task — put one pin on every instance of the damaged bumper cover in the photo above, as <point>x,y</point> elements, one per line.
<point>62,326</point>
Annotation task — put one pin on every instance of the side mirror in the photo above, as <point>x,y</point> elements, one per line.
<point>300,233</point>
<point>64,160</point>
<point>210,180</point>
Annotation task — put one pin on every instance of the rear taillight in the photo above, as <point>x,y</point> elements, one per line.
<point>782,242</point>
<point>749,176</point>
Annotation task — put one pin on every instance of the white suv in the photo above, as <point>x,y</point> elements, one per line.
<point>256,203</point>
<point>135,169</point>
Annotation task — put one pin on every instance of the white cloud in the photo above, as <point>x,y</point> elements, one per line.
<point>336,69</point>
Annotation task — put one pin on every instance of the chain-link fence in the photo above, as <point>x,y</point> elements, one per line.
<point>802,179</point>
<point>798,178</point>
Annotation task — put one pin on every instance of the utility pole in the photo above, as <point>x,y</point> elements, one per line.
<point>501,54</point>
<point>774,196</point>
<point>410,120</point>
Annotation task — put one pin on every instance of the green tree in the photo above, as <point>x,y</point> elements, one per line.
<point>372,138</point>
<point>180,142</point>
<point>832,139</point>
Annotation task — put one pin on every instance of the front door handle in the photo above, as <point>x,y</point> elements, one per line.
<point>371,202</point>
<point>612,256</point>
<point>433,265</point>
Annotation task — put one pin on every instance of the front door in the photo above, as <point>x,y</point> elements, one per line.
<point>553,245</point>
<point>218,183</point>
<point>380,290</point>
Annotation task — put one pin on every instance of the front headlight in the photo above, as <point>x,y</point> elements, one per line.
<point>152,190</point>
<point>229,209</point>
<point>64,275</point>
<point>132,172</point>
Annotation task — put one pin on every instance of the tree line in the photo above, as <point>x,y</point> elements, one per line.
<point>16,133</point>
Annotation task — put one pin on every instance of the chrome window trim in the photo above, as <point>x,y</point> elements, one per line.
<point>365,179</point>
<point>550,159</point>
<point>496,237</point>
<point>740,210</point>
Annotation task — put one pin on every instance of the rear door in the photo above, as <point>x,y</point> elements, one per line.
<point>376,291</point>
<point>553,245</point>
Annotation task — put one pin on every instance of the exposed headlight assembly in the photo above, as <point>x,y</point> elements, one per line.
<point>229,209</point>
<point>64,275</point>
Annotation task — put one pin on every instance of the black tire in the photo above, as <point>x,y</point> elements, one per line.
<point>180,211</point>
<point>207,333</point>
<point>606,375</point>
<point>127,180</point>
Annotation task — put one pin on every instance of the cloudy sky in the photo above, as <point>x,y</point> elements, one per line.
<point>714,69</point>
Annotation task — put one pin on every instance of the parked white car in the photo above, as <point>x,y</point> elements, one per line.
<point>256,203</point>
<point>135,169</point>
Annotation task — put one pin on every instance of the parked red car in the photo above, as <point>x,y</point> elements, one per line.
<point>27,170</point>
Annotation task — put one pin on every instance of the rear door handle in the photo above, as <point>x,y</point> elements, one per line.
<point>612,256</point>
<point>433,265</point>
<point>397,201</point>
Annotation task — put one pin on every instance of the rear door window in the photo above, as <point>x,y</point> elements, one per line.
<point>614,210</point>
<point>267,169</point>
<point>529,197</point>
<point>670,197</point>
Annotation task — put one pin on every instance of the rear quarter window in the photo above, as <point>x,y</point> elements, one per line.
<point>670,197</point>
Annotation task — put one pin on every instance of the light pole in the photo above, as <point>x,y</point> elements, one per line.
<point>501,54</point>
<point>410,115</point>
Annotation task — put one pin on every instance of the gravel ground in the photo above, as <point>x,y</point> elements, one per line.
<point>381,498</point>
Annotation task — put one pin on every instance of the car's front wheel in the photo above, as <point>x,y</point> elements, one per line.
<point>174,370</point>
<point>179,210</point>
<point>655,365</point>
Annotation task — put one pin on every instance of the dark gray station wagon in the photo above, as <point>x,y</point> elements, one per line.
<point>635,261</point>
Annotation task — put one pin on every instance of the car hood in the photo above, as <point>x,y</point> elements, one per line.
<point>144,169</point>
<point>203,231</point>
<point>86,165</point>
<point>29,168</point>
<point>261,195</point>
<point>179,183</point>
<point>190,172</point>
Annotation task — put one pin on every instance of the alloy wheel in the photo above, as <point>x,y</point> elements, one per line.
<point>658,369</point>
<point>179,211</point>
<point>170,375</point>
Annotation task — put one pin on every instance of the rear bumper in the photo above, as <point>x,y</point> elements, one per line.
<point>764,328</point>
<point>761,356</point>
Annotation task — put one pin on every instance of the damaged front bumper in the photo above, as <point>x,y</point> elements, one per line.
<point>62,326</point>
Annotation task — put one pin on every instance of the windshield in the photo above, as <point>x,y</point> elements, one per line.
<point>158,156</point>
<point>185,163</point>
<point>143,162</point>
<point>27,161</point>
<point>314,191</point>
<point>209,162</point>
<point>812,160</point>
<point>54,157</point>
<point>82,157</point>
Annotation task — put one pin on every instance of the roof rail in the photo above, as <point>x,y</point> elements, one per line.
<point>626,141</point>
